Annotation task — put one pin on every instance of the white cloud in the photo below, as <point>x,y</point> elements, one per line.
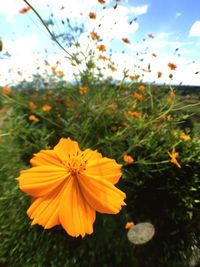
<point>139,10</point>
<point>195,29</point>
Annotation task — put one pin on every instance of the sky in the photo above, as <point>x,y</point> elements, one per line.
<point>159,32</point>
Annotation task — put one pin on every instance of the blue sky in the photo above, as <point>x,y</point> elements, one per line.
<point>175,26</point>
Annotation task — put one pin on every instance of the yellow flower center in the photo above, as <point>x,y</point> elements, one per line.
<point>75,164</point>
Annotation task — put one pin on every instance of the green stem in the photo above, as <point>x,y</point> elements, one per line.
<point>51,34</point>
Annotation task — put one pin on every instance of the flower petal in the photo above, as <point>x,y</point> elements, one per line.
<point>39,181</point>
<point>89,154</point>
<point>46,157</point>
<point>66,148</point>
<point>44,211</point>
<point>101,194</point>
<point>104,168</point>
<point>76,215</point>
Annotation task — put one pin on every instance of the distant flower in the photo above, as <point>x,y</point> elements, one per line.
<point>83,90</point>
<point>128,158</point>
<point>102,2</point>
<point>6,90</point>
<point>184,136</point>
<point>92,15</point>
<point>172,94</point>
<point>104,58</point>
<point>68,186</point>
<point>46,107</point>
<point>133,77</point>
<point>138,96</point>
<point>101,48</point>
<point>60,73</point>
<point>141,87</point>
<point>126,40</point>
<point>53,68</point>
<point>159,74</point>
<point>134,114</point>
<point>32,105</point>
<point>94,36</point>
<point>172,66</point>
<point>33,118</point>
<point>173,155</point>
<point>129,225</point>
<point>24,10</point>
<point>113,68</point>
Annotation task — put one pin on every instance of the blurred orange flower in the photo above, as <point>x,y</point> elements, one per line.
<point>69,186</point>
<point>104,58</point>
<point>113,68</point>
<point>138,96</point>
<point>92,15</point>
<point>101,2</point>
<point>33,118</point>
<point>172,66</point>
<point>83,90</point>
<point>24,10</point>
<point>173,155</point>
<point>141,87</point>
<point>128,158</point>
<point>32,105</point>
<point>126,40</point>
<point>184,136</point>
<point>46,107</point>
<point>134,114</point>
<point>101,48</point>
<point>94,36</point>
<point>6,90</point>
<point>129,225</point>
<point>133,77</point>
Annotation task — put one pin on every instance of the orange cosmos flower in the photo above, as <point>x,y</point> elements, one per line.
<point>184,136</point>
<point>128,158</point>
<point>6,90</point>
<point>32,105</point>
<point>113,68</point>
<point>172,94</point>
<point>141,87</point>
<point>133,77</point>
<point>68,186</point>
<point>101,2</point>
<point>33,118</point>
<point>101,48</point>
<point>173,155</point>
<point>126,40</point>
<point>134,114</point>
<point>172,66</point>
<point>129,225</point>
<point>139,97</point>
<point>46,107</point>
<point>92,15</point>
<point>103,58</point>
<point>94,36</point>
<point>83,90</point>
<point>24,10</point>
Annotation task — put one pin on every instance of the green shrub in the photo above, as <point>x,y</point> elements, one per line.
<point>117,120</point>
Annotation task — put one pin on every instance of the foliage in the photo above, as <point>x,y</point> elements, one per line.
<point>117,120</point>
